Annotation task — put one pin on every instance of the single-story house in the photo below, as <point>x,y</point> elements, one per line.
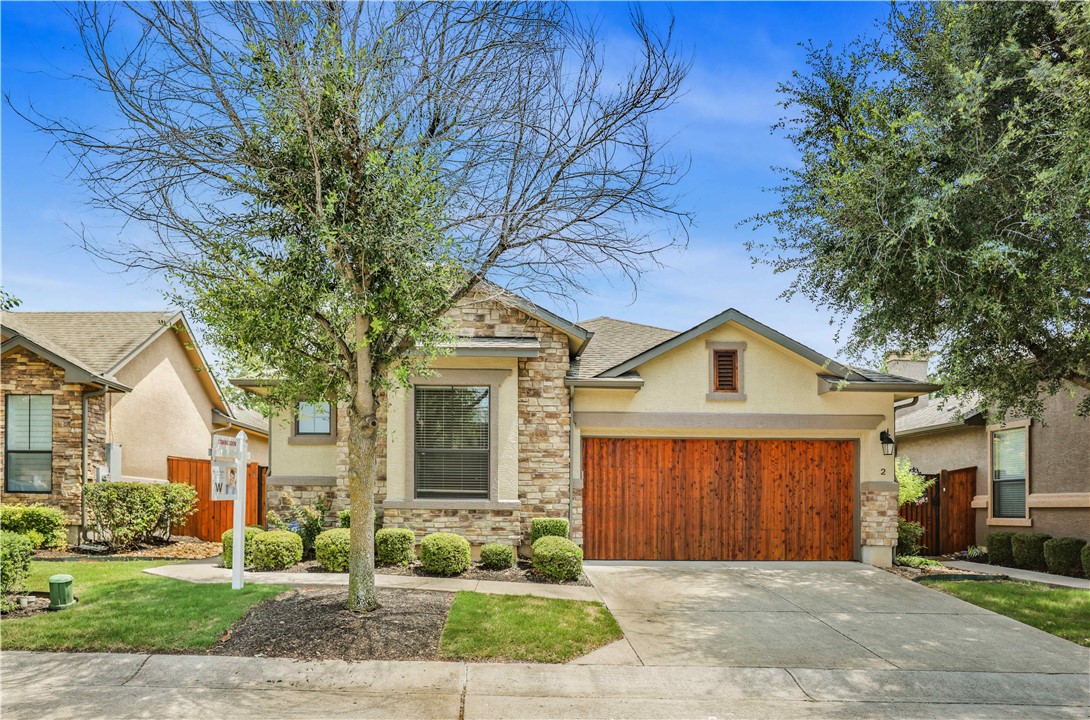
<point>1030,476</point>
<point>728,441</point>
<point>97,394</point>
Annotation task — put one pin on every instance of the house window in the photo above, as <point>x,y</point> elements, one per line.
<point>28,444</point>
<point>725,371</point>
<point>451,441</point>
<point>314,419</point>
<point>1009,471</point>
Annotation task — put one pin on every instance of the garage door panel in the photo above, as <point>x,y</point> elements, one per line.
<point>663,499</point>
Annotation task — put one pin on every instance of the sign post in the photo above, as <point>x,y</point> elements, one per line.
<point>229,458</point>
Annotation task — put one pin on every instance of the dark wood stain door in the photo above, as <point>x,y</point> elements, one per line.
<point>661,499</point>
<point>946,512</point>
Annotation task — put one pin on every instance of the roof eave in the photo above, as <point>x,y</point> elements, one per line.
<point>219,418</point>
<point>73,372</point>
<point>913,389</point>
<point>602,383</point>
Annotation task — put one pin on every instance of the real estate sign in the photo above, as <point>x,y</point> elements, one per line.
<point>229,458</point>
<point>224,479</point>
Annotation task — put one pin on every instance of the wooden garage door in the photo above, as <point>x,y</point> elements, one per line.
<point>656,499</point>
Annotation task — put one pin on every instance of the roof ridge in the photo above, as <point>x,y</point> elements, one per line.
<point>629,322</point>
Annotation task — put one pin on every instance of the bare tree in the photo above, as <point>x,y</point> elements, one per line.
<point>326,180</point>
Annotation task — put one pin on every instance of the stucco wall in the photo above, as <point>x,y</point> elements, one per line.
<point>298,460</point>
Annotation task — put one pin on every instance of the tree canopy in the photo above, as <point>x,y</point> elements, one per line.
<point>942,198</point>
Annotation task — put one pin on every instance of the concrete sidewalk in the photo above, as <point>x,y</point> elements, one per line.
<point>1019,574</point>
<point>43,686</point>
<point>206,572</point>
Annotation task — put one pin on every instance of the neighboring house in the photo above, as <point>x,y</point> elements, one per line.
<point>726,441</point>
<point>1030,476</point>
<point>88,390</point>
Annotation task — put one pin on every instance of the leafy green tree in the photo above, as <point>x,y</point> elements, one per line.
<point>943,195</point>
<point>325,180</point>
<point>8,301</point>
<point>910,486</point>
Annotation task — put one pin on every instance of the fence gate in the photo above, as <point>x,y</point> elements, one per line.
<point>946,511</point>
<point>213,517</point>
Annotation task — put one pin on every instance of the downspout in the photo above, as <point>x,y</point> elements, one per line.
<point>83,462</point>
<point>908,404</point>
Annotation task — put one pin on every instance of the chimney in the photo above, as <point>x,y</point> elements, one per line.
<point>909,365</point>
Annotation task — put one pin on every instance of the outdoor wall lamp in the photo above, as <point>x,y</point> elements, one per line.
<point>887,442</point>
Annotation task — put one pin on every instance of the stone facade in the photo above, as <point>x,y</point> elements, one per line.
<point>878,521</point>
<point>24,373</point>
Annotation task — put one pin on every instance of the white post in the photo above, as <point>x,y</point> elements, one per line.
<point>238,547</point>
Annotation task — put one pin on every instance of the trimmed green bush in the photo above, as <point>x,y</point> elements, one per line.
<point>558,558</point>
<point>999,549</point>
<point>277,550</point>
<point>1086,560</point>
<point>547,527</point>
<point>15,554</point>
<point>1062,555</point>
<point>47,522</point>
<point>445,553</point>
<point>331,549</point>
<point>497,557</point>
<point>1029,550</point>
<point>908,537</point>
<point>247,550</point>
<point>123,513</point>
<point>345,518</point>
<point>179,502</point>
<point>394,546</point>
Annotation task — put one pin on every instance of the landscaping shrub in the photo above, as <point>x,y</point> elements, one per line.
<point>1062,555</point>
<point>908,536</point>
<point>445,553</point>
<point>394,546</point>
<point>345,518</point>
<point>47,522</point>
<point>558,558</point>
<point>307,522</point>
<point>331,549</point>
<point>36,538</point>
<point>1029,550</point>
<point>15,554</point>
<point>546,527</point>
<point>124,513</point>
<point>999,549</point>
<point>179,502</point>
<point>277,550</point>
<point>247,550</point>
<point>917,562</point>
<point>497,557</point>
<point>274,521</point>
<point>1086,560</point>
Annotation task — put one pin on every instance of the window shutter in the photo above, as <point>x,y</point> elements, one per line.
<point>452,441</point>
<point>726,371</point>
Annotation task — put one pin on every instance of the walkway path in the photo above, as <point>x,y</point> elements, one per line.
<point>205,572</point>
<point>1017,574</point>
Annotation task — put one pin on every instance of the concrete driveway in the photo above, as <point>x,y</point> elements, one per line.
<point>826,615</point>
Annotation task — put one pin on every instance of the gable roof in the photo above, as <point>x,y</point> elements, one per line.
<point>578,336</point>
<point>946,415</point>
<point>613,342</point>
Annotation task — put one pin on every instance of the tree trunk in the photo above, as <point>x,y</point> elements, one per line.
<point>362,476</point>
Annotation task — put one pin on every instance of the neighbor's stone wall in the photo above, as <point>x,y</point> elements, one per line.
<point>24,373</point>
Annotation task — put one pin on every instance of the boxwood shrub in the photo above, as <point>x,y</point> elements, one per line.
<point>1062,555</point>
<point>497,557</point>
<point>1029,550</point>
<point>43,524</point>
<point>546,527</point>
<point>445,553</point>
<point>999,549</point>
<point>124,513</point>
<point>1086,560</point>
<point>277,550</point>
<point>15,554</point>
<point>331,549</point>
<point>558,558</point>
<point>345,518</point>
<point>394,546</point>
<point>247,550</point>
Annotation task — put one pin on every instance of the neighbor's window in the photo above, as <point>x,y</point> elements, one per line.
<point>313,419</point>
<point>1009,464</point>
<point>451,441</point>
<point>725,377</point>
<point>28,444</point>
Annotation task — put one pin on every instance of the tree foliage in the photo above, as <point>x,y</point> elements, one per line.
<point>943,195</point>
<point>911,486</point>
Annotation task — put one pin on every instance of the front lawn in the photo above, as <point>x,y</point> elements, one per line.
<point>1064,612</point>
<point>122,609</point>
<point>524,628</point>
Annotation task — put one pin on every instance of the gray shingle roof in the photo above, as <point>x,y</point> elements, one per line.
<point>615,341</point>
<point>939,413</point>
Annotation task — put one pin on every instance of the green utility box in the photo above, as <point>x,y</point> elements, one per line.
<point>60,592</point>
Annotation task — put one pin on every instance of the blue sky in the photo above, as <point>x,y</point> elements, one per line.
<point>739,52</point>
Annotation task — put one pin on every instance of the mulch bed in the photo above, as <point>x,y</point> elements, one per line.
<point>180,547</point>
<point>929,571</point>
<point>313,624</point>
<point>523,572</point>
<point>34,603</point>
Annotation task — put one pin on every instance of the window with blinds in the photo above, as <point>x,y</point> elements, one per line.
<point>726,370</point>
<point>1009,465</point>
<point>28,444</point>
<point>314,419</point>
<point>451,427</point>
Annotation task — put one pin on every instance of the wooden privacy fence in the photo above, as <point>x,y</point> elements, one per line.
<point>213,517</point>
<point>946,512</point>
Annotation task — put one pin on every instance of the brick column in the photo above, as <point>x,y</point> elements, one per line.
<point>878,522</point>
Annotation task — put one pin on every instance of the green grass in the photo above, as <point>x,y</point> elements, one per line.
<point>1064,612</point>
<point>121,608</point>
<point>526,628</point>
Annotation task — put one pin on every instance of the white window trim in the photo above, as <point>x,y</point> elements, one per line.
<point>1026,521</point>
<point>739,348</point>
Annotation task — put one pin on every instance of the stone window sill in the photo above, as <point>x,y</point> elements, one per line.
<point>719,396</point>
<point>312,440</point>
<point>1011,522</point>
<point>479,504</point>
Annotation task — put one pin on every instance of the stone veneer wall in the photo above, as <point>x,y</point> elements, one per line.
<point>24,373</point>
<point>878,521</point>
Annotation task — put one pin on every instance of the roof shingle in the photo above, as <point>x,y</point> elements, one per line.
<point>615,341</point>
